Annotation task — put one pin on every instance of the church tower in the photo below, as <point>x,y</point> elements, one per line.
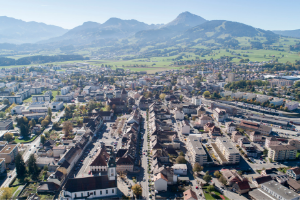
<point>111,169</point>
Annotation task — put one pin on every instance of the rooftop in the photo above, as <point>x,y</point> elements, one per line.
<point>197,146</point>
<point>280,190</point>
<point>8,148</point>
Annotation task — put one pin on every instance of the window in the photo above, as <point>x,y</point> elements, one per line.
<point>94,192</point>
<point>81,194</point>
<point>113,191</point>
<point>106,191</point>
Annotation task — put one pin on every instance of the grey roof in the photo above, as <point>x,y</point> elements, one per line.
<point>228,145</point>
<point>257,194</point>
<point>280,190</point>
<point>197,146</point>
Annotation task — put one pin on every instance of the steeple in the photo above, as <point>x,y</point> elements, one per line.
<point>111,168</point>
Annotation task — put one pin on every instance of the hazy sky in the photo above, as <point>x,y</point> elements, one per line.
<point>265,14</point>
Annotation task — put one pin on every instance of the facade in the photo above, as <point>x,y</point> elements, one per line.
<point>185,127</point>
<point>255,136</point>
<point>294,173</point>
<point>160,182</point>
<point>280,82</point>
<point>180,169</point>
<point>282,152</point>
<point>230,127</point>
<point>17,110</point>
<point>197,150</point>
<point>2,165</point>
<point>9,152</point>
<point>196,101</point>
<point>178,114</point>
<point>56,105</point>
<point>291,105</point>
<point>13,99</point>
<point>251,126</point>
<point>204,119</point>
<point>6,124</point>
<point>236,135</point>
<point>271,141</point>
<point>277,101</point>
<point>230,153</point>
<point>41,98</point>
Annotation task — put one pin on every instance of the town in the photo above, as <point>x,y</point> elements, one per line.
<point>211,131</point>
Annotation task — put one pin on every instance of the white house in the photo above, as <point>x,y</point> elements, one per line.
<point>185,127</point>
<point>180,169</point>
<point>56,105</point>
<point>87,89</point>
<point>160,182</point>
<point>196,101</point>
<point>65,90</point>
<point>277,101</point>
<point>262,98</point>
<point>17,110</point>
<point>291,105</point>
<point>230,127</point>
<point>178,114</point>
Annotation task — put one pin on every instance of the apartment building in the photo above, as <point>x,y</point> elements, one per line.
<point>196,149</point>
<point>230,153</point>
<point>220,114</point>
<point>280,82</point>
<point>2,165</point>
<point>282,152</point>
<point>185,127</point>
<point>278,191</point>
<point>9,152</point>
<point>6,124</point>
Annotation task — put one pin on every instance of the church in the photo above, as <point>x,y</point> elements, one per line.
<point>92,187</point>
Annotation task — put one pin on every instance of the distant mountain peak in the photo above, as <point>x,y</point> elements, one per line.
<point>186,19</point>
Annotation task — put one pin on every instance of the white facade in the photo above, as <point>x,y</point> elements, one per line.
<point>291,105</point>
<point>185,127</point>
<point>180,169</point>
<point>89,194</point>
<point>17,110</point>
<point>196,101</point>
<point>65,90</point>
<point>179,115</point>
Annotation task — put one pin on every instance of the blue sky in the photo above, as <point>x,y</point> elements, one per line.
<point>265,14</point>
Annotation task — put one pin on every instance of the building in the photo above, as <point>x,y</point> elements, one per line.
<point>294,173</point>
<point>196,101</point>
<point>278,191</point>
<point>2,165</point>
<point>230,127</point>
<point>56,105</point>
<point>41,98</point>
<point>236,135</point>
<point>271,141</point>
<point>92,187</point>
<point>6,124</point>
<point>9,152</point>
<point>220,114</point>
<point>252,126</point>
<point>230,153</point>
<point>87,89</point>
<point>178,114</point>
<point>277,101</point>
<point>65,90</point>
<point>204,119</point>
<point>282,152</point>
<point>13,99</point>
<point>180,169</point>
<point>160,182</point>
<point>197,151</point>
<point>291,105</point>
<point>231,77</point>
<point>185,127</point>
<point>17,110</point>
<point>255,136</point>
<point>64,98</point>
<point>189,195</point>
<point>280,82</point>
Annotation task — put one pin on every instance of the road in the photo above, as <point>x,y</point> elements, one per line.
<point>144,160</point>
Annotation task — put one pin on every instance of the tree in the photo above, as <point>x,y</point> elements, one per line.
<point>181,160</point>
<point>8,137</point>
<point>5,102</point>
<point>40,120</point>
<point>137,189</point>
<point>6,193</point>
<point>55,126</point>
<point>217,174</point>
<point>24,130</point>
<point>180,98</point>
<point>265,152</point>
<point>67,128</point>
<point>181,153</point>
<point>223,180</point>
<point>32,167</point>
<point>32,123</point>
<point>206,94</point>
<point>162,96</point>
<point>2,114</point>
<point>20,165</point>
<point>197,167</point>
<point>44,123</point>
<point>43,139</point>
<point>107,108</point>
<point>207,177</point>
<point>49,113</point>
<point>210,188</point>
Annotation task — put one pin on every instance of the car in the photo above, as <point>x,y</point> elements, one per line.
<point>89,172</point>
<point>197,187</point>
<point>143,153</point>
<point>9,176</point>
<point>29,149</point>
<point>144,179</point>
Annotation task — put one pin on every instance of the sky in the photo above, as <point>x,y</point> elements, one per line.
<point>264,14</point>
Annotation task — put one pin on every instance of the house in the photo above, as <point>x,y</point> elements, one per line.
<point>291,105</point>
<point>215,132</point>
<point>236,135</point>
<point>9,152</point>
<point>204,119</point>
<point>260,180</point>
<point>201,110</point>
<point>252,126</point>
<point>180,169</point>
<point>294,173</point>
<point>231,176</point>
<point>255,136</point>
<point>294,143</point>
<point>185,127</point>
<point>87,89</point>
<point>6,124</point>
<point>271,141</point>
<point>230,127</point>
<point>178,114</point>
<point>92,187</point>
<point>282,152</point>
<point>293,185</point>
<point>189,195</point>
<point>196,101</point>
<point>160,182</point>
<point>241,187</point>
<point>99,161</point>
<point>277,191</point>
<point>220,114</point>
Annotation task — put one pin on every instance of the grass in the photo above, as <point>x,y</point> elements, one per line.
<point>14,189</point>
<point>210,197</point>
<point>25,140</point>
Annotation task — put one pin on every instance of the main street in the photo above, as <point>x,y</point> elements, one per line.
<point>144,167</point>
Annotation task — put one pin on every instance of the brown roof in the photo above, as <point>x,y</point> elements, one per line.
<point>294,184</point>
<point>8,148</point>
<point>159,176</point>
<point>249,124</point>
<point>100,158</point>
<point>283,147</point>
<point>189,193</point>
<point>296,170</point>
<point>243,185</point>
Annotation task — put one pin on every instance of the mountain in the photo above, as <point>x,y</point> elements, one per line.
<point>221,29</point>
<point>182,22</point>
<point>289,33</point>
<point>17,31</point>
<point>113,28</point>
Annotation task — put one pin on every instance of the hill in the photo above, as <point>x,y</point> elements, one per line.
<point>17,31</point>
<point>289,33</point>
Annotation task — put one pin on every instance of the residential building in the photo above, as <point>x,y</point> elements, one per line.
<point>231,77</point>
<point>160,182</point>
<point>280,82</point>
<point>9,152</point>
<point>252,126</point>
<point>17,110</point>
<point>87,89</point>
<point>271,141</point>
<point>255,136</point>
<point>189,195</point>
<point>230,127</point>
<point>65,90</point>
<point>180,169</point>
<point>196,101</point>
<point>277,101</point>
<point>6,124</point>
<point>220,114</point>
<point>278,191</point>
<point>204,119</point>
<point>13,99</point>
<point>178,114</point>
<point>185,127</point>
<point>227,149</point>
<point>2,165</point>
<point>282,152</point>
<point>56,105</point>
<point>197,150</point>
<point>236,135</point>
<point>294,173</point>
<point>291,105</point>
